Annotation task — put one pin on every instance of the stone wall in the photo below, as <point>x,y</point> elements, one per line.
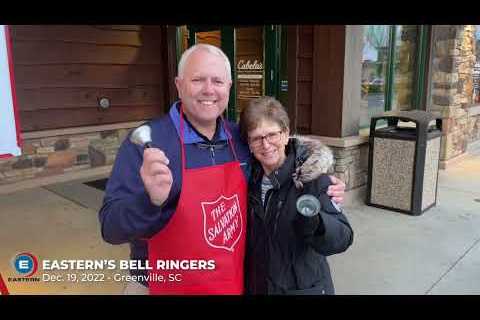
<point>465,65</point>
<point>351,165</point>
<point>473,126</point>
<point>56,155</point>
<point>453,58</point>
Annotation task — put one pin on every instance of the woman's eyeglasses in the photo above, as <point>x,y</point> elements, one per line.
<point>272,137</point>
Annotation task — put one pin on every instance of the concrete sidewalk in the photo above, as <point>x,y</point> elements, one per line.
<point>393,253</point>
<point>434,253</point>
<point>49,226</point>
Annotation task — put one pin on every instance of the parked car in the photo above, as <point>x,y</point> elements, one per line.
<point>377,82</point>
<point>376,85</point>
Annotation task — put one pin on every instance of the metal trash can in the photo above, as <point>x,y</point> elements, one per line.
<point>403,161</point>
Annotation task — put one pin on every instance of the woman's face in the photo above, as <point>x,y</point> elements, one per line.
<point>267,143</point>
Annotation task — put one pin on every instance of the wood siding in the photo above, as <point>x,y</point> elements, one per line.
<point>62,71</point>
<point>304,76</point>
<point>316,64</point>
<point>327,84</point>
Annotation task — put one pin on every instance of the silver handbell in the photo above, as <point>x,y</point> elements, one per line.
<point>308,205</point>
<point>142,136</point>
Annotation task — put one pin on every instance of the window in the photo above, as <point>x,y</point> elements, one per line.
<point>393,67</point>
<point>374,72</point>
<point>404,67</point>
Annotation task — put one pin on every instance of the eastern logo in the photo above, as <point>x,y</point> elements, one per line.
<point>222,222</point>
<point>26,264</point>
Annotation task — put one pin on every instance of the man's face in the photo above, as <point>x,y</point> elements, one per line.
<point>204,88</point>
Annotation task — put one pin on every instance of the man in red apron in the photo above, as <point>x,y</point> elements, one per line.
<point>208,225</point>
<point>181,204</point>
<point>206,233</point>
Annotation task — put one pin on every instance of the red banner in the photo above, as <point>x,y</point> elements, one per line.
<point>10,139</point>
<point>3,287</point>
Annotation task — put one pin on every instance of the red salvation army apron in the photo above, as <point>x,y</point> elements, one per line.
<point>201,249</point>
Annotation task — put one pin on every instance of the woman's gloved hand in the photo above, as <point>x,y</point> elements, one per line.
<point>309,226</point>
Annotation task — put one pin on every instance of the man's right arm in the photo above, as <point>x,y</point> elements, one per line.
<point>127,212</point>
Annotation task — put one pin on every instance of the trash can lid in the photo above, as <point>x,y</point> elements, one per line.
<point>422,119</point>
<point>399,132</point>
<point>418,116</point>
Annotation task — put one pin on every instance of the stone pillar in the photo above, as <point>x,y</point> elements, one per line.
<point>351,165</point>
<point>351,80</point>
<point>451,90</point>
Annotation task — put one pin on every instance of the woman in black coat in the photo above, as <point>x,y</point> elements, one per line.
<point>286,248</point>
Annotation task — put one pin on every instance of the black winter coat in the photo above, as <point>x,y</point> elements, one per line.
<point>286,252</point>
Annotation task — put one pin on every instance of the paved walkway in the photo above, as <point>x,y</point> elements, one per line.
<point>434,253</point>
<point>51,226</point>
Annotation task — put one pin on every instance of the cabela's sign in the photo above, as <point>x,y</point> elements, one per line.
<point>248,65</point>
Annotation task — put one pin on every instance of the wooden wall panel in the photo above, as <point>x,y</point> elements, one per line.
<point>316,72</point>
<point>86,75</point>
<point>305,46</point>
<point>51,118</point>
<point>304,118</point>
<point>304,78</point>
<point>62,71</point>
<point>71,98</point>
<point>292,100</point>
<point>327,84</point>
<point>82,53</point>
<point>103,35</point>
<point>304,93</point>
<point>305,72</point>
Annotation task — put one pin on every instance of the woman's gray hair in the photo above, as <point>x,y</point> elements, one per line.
<point>263,108</point>
<point>207,47</point>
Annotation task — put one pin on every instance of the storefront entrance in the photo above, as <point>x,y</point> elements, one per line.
<point>257,55</point>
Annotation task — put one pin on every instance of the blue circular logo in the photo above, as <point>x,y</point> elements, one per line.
<point>25,264</point>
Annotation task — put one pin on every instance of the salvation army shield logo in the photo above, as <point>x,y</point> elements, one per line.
<point>222,222</point>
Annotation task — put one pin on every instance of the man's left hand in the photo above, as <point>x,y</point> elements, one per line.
<point>336,190</point>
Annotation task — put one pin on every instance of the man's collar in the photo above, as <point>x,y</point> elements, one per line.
<point>190,135</point>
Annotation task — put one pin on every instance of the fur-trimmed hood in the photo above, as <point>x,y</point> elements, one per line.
<point>308,157</point>
<point>313,158</point>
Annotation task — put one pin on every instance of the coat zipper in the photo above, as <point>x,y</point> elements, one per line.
<point>279,206</point>
<point>212,152</point>
<point>277,214</point>
<point>268,196</point>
